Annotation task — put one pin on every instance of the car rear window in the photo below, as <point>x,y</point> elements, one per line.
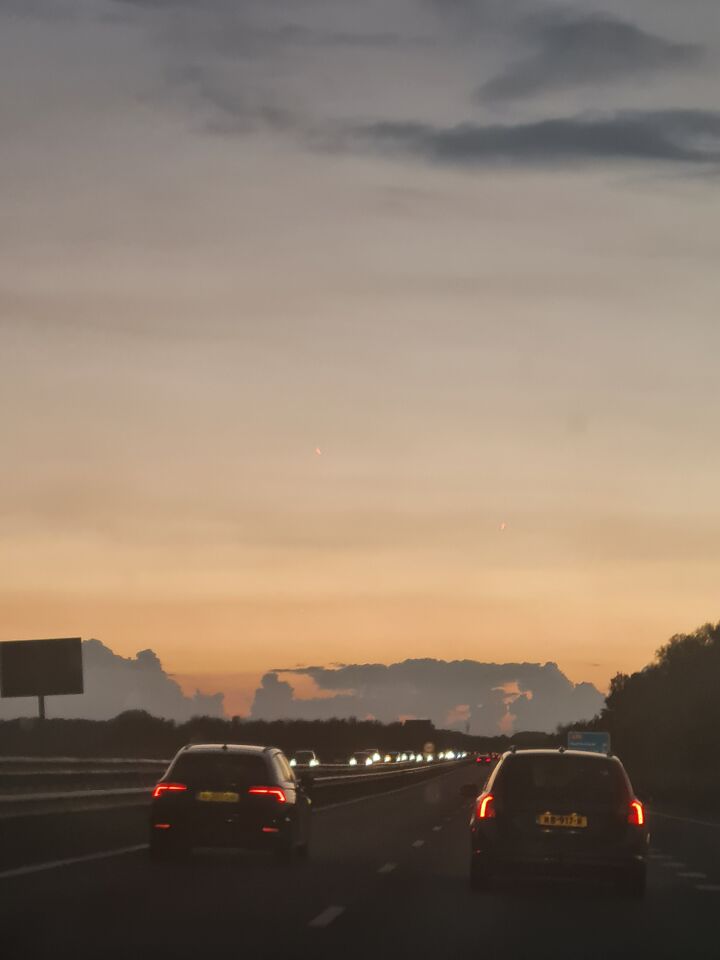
<point>544,782</point>
<point>220,768</point>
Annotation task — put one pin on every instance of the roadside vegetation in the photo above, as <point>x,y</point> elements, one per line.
<point>136,733</point>
<point>664,722</point>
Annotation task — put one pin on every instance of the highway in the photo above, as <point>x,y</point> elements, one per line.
<point>387,877</point>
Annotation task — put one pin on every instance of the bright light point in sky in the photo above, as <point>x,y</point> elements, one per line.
<point>503,526</point>
<point>318,452</point>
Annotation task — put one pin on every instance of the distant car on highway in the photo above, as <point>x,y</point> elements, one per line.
<point>483,759</point>
<point>362,758</point>
<point>559,811</point>
<point>304,758</point>
<point>227,795</point>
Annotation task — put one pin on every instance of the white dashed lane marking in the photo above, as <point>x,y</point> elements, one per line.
<point>693,875</point>
<point>708,887</point>
<point>674,865</point>
<point>325,918</point>
<point>437,829</point>
<point>419,843</point>
<point>387,868</point>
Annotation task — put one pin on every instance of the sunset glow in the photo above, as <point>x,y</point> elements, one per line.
<point>211,262</point>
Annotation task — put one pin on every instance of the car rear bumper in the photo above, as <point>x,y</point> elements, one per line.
<point>213,832</point>
<point>628,853</point>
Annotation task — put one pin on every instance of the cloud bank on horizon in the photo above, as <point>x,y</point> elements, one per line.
<point>484,698</point>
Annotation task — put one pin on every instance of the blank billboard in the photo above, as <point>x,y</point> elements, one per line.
<point>35,668</point>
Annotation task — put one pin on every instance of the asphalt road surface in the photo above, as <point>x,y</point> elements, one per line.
<point>387,877</point>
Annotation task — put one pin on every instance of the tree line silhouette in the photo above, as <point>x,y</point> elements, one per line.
<point>136,733</point>
<point>664,721</point>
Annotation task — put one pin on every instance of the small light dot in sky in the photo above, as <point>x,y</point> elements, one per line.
<point>503,526</point>
<point>318,452</point>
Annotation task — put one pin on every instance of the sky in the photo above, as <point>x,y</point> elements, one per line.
<point>347,331</point>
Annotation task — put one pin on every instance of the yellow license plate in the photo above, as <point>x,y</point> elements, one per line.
<point>573,820</point>
<point>212,796</point>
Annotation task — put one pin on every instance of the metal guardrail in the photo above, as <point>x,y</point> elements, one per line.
<point>33,771</point>
<point>326,787</point>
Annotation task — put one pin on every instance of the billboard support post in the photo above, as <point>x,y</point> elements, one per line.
<point>41,706</point>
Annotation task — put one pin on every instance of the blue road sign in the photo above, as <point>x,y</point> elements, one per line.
<point>589,740</point>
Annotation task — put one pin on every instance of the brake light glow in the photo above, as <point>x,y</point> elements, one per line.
<point>636,816</point>
<point>271,830</point>
<point>276,792</point>
<point>485,809</point>
<point>164,788</point>
<point>161,826</point>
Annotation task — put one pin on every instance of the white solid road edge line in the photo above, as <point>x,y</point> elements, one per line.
<point>387,868</point>
<point>699,823</point>
<point>325,918</point>
<point>419,843</point>
<point>708,887</point>
<point>54,864</point>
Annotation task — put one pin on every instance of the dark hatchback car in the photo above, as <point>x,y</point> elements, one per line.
<point>559,812</point>
<point>227,795</point>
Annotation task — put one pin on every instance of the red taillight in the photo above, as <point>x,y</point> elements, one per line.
<point>162,826</point>
<point>276,792</point>
<point>485,809</point>
<point>636,816</point>
<point>164,788</point>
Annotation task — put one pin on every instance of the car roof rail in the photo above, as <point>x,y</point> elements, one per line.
<point>561,749</point>
<point>513,748</point>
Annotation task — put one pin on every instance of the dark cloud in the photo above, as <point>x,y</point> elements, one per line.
<point>246,28</point>
<point>679,136</point>
<point>539,696</point>
<point>473,15</point>
<point>40,9</point>
<point>587,50</point>
<point>156,4</point>
<point>230,108</point>
<point>114,684</point>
